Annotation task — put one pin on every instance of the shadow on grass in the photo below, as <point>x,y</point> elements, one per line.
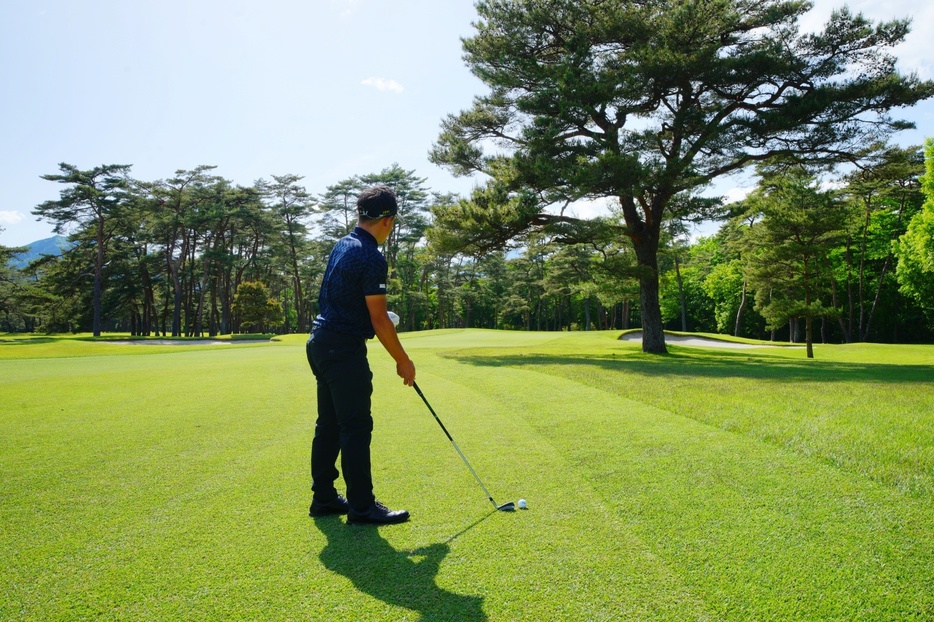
<point>22,341</point>
<point>468,528</point>
<point>683,361</point>
<point>398,578</point>
<point>27,341</point>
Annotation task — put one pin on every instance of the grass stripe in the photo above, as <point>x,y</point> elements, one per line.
<point>701,485</point>
<point>759,531</point>
<point>569,556</point>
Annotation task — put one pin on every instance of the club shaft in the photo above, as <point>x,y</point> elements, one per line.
<point>450,438</point>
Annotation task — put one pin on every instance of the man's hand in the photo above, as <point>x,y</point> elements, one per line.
<point>386,333</point>
<point>406,371</point>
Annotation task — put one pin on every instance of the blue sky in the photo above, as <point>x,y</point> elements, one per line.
<point>326,89</point>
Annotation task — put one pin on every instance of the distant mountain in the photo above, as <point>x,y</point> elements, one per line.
<point>49,246</point>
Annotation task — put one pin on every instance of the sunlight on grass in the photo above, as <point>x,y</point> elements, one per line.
<point>114,344</point>
<point>171,482</point>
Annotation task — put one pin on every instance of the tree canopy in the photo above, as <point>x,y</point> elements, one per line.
<point>916,246</point>
<point>799,226</point>
<point>646,101</point>
<point>182,247</point>
<point>92,196</point>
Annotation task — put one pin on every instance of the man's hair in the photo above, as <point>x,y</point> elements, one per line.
<point>377,202</point>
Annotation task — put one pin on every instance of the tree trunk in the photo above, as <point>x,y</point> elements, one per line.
<point>176,305</point>
<point>862,269</point>
<point>888,258</point>
<point>653,334</point>
<point>165,315</point>
<point>808,322</point>
<point>849,291</point>
<point>212,330</point>
<point>189,302</point>
<point>207,265</point>
<point>175,276</point>
<point>684,308</point>
<point>843,325</point>
<point>300,311</point>
<point>149,305</point>
<point>98,277</point>
<point>739,312</point>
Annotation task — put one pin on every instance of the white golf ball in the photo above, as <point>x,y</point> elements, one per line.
<point>394,318</point>
<point>521,504</point>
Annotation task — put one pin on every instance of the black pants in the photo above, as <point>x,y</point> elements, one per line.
<point>344,425</point>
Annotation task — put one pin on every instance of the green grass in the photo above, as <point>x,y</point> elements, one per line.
<point>171,482</point>
<point>14,346</point>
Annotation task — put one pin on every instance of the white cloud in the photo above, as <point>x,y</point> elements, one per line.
<point>382,84</point>
<point>914,53</point>
<point>736,194</point>
<point>345,8</point>
<point>10,217</point>
<point>592,208</point>
<point>586,209</point>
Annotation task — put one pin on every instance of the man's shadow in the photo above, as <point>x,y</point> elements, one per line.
<point>399,578</point>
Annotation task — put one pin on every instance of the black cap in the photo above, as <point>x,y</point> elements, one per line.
<point>377,202</point>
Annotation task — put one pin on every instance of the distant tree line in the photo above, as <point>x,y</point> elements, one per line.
<point>806,261</point>
<point>196,255</point>
<point>170,257</point>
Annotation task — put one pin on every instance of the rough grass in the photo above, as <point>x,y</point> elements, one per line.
<point>702,485</point>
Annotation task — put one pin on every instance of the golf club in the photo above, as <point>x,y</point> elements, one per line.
<point>506,507</point>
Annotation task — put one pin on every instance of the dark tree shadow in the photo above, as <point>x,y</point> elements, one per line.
<point>684,361</point>
<point>399,578</point>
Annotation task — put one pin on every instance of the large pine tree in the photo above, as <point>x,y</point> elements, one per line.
<point>644,101</point>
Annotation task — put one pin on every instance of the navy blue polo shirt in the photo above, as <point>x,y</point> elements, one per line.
<point>356,269</point>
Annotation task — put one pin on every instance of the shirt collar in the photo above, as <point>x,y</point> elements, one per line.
<point>365,235</point>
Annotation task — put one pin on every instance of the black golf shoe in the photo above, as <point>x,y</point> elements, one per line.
<point>338,505</point>
<point>378,514</point>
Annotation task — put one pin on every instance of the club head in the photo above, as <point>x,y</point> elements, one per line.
<point>507,507</point>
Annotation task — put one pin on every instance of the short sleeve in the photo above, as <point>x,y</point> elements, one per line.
<point>375,276</point>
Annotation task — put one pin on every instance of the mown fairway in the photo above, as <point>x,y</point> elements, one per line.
<point>171,482</point>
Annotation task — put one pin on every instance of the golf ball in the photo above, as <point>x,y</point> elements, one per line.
<point>521,504</point>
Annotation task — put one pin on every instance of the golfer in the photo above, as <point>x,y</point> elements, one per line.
<point>352,307</point>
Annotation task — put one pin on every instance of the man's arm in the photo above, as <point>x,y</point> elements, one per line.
<point>386,333</point>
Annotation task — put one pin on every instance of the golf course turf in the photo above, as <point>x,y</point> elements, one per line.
<point>171,483</point>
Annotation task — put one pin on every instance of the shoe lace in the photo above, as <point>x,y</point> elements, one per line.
<point>380,506</point>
